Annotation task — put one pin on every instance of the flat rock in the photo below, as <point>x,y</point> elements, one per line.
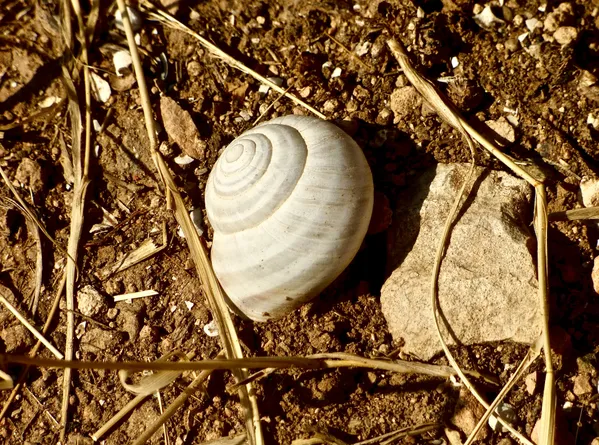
<point>488,285</point>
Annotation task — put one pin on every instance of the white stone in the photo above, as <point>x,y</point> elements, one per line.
<point>565,35</point>
<point>89,301</point>
<point>503,128</point>
<point>487,286</point>
<point>589,191</point>
<point>595,274</point>
<point>487,18</point>
<point>100,88</point>
<point>121,61</point>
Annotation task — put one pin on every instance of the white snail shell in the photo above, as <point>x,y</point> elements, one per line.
<point>290,202</point>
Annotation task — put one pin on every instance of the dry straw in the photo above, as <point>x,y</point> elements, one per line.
<point>449,113</point>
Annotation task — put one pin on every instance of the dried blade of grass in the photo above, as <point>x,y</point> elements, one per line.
<point>118,417</point>
<point>344,360</point>
<point>35,348</point>
<point>48,113</point>
<point>92,20</point>
<point>39,265</point>
<point>239,439</point>
<point>6,381</point>
<point>575,214</point>
<point>23,207</point>
<point>198,251</point>
<point>33,227</point>
<point>449,113</point>
<point>79,193</point>
<point>133,295</point>
<point>154,382</point>
<point>402,432</point>
<point>235,363</point>
<point>168,20</point>
<point>146,249</point>
<point>195,385</point>
<point>387,438</point>
<point>13,310</point>
<point>532,354</point>
<point>247,362</point>
<point>76,228</point>
<point>66,27</point>
<point>547,433</point>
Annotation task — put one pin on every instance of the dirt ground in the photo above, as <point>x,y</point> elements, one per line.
<point>523,70</point>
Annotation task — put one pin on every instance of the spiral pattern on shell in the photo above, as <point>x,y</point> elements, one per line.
<point>290,202</point>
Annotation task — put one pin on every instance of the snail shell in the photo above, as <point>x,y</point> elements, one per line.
<point>290,202</point>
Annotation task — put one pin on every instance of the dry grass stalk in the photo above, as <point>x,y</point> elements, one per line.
<point>323,437</point>
<point>124,411</point>
<point>77,209</point>
<point>147,249</point>
<point>164,430</point>
<point>169,20</point>
<point>39,264</point>
<point>42,407</point>
<point>532,354</point>
<point>81,182</point>
<point>13,310</point>
<point>450,114</point>
<point>239,439</point>
<point>546,436</point>
<point>132,295</point>
<point>34,226</point>
<point>194,386</point>
<point>247,362</point>
<point>198,251</point>
<point>344,360</point>
<point>153,382</point>
<point>575,214</point>
<point>35,348</point>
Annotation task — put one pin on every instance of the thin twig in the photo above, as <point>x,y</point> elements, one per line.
<point>194,386</point>
<point>199,254</point>
<point>39,265</point>
<point>35,348</point>
<point>546,436</point>
<point>450,114</point>
<point>528,360</point>
<point>215,50</point>
<point>81,183</point>
<point>30,327</point>
<point>575,214</point>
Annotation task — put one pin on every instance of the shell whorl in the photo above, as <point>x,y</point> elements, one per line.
<point>252,180</point>
<point>290,202</point>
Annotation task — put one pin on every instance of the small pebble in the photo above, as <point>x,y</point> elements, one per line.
<point>589,191</point>
<point>405,101</point>
<point>531,382</point>
<point>507,412</point>
<point>194,68</point>
<point>565,35</point>
<point>331,105</point>
<point>211,329</point>
<point>562,15</point>
<point>582,385</point>
<point>503,128</point>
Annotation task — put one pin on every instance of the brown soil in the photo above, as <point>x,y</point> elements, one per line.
<point>302,43</point>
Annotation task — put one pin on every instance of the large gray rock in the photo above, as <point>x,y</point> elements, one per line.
<point>488,285</point>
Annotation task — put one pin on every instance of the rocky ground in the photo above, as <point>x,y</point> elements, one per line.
<point>527,69</point>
